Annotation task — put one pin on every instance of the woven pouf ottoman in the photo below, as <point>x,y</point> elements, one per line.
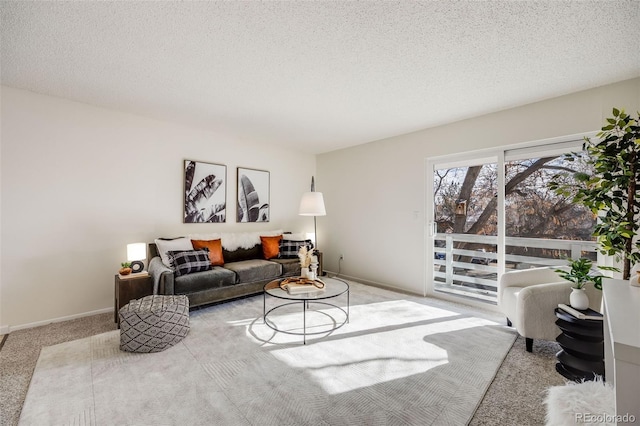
<point>153,323</point>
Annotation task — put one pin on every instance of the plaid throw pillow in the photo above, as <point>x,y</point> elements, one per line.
<point>188,261</point>
<point>289,248</point>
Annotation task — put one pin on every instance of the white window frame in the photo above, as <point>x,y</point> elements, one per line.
<point>499,155</point>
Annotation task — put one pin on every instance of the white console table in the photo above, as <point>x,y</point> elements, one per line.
<point>621,304</point>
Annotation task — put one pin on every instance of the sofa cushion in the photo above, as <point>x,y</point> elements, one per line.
<point>216,277</point>
<point>289,248</point>
<point>189,261</point>
<point>271,246</point>
<point>164,245</point>
<point>254,270</point>
<point>290,267</point>
<point>215,250</point>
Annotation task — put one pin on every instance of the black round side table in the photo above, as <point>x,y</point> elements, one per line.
<point>582,343</point>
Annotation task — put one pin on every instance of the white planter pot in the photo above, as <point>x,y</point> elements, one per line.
<point>579,299</point>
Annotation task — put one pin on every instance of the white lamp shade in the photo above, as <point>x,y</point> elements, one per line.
<point>136,251</point>
<point>312,204</point>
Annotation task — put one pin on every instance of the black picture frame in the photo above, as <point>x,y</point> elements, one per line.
<point>205,192</point>
<point>253,195</point>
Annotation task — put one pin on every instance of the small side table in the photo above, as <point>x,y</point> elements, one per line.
<point>582,343</point>
<point>127,289</point>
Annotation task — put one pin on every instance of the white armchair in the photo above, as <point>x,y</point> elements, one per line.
<point>528,298</point>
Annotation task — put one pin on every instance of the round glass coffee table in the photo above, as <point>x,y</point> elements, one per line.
<point>334,287</point>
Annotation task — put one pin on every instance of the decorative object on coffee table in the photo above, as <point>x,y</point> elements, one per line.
<point>153,323</point>
<point>295,285</point>
<point>305,257</point>
<point>205,192</point>
<point>314,267</point>
<point>253,195</point>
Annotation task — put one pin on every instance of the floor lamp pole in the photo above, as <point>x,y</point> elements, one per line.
<point>315,235</point>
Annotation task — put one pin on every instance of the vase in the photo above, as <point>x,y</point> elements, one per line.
<point>313,271</point>
<point>635,279</point>
<point>304,272</point>
<point>578,299</point>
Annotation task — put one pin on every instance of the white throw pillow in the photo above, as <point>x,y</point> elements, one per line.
<point>234,240</point>
<point>164,246</point>
<point>205,237</point>
<point>300,236</point>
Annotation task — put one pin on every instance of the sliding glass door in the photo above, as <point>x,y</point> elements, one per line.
<point>495,214</point>
<point>464,229</point>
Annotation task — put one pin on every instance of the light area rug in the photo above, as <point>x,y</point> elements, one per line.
<point>400,360</point>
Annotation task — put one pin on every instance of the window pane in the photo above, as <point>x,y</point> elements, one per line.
<point>535,215</point>
<point>465,247</point>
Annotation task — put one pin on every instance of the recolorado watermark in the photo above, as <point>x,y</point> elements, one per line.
<point>604,418</point>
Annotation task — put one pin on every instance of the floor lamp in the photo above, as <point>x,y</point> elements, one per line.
<point>312,204</point>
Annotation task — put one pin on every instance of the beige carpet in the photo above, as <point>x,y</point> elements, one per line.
<point>516,396</point>
<point>400,360</point>
<point>19,354</point>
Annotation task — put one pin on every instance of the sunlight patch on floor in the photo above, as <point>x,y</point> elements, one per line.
<point>383,342</point>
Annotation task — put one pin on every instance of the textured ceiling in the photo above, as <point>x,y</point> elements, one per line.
<point>317,76</point>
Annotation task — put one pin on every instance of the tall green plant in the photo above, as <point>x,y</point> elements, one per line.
<point>613,190</point>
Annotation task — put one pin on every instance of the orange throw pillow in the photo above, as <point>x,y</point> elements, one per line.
<point>215,250</point>
<point>271,246</point>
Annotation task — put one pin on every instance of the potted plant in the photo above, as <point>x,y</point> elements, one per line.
<point>125,268</point>
<point>612,191</point>
<point>581,273</point>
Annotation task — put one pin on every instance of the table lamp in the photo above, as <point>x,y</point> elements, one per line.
<point>136,253</point>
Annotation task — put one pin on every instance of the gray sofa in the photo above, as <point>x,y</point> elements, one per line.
<point>244,273</point>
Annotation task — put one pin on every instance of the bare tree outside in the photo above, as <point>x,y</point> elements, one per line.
<point>466,203</point>
<point>534,211</point>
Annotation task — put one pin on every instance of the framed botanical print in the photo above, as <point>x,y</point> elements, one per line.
<point>253,195</point>
<point>205,192</point>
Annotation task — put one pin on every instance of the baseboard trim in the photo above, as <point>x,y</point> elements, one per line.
<point>438,295</point>
<point>6,329</point>
<point>374,283</point>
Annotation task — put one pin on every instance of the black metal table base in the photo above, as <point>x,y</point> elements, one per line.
<point>305,308</point>
<point>306,302</point>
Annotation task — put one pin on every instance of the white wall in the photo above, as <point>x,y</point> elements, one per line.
<point>375,193</point>
<point>80,182</point>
